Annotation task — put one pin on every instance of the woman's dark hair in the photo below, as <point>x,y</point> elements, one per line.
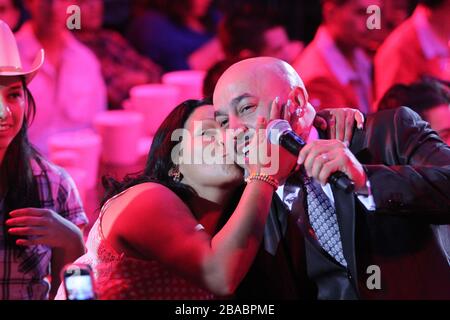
<point>16,172</point>
<point>420,96</point>
<point>159,160</point>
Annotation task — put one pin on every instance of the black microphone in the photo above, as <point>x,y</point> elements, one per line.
<point>280,132</point>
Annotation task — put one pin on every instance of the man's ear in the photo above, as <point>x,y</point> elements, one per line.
<point>299,97</point>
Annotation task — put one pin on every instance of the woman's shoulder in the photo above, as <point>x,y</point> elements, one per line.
<point>153,195</point>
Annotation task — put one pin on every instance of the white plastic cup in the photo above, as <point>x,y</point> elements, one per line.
<point>189,82</point>
<point>121,132</point>
<point>86,144</point>
<point>154,102</point>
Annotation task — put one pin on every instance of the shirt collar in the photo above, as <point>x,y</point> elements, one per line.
<point>431,45</point>
<point>336,61</point>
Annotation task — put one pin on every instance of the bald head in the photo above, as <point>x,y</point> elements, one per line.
<point>259,70</point>
<point>248,89</point>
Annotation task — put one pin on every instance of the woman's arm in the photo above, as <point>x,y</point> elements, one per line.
<point>156,224</point>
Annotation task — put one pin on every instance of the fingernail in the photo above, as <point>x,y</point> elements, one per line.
<point>360,126</point>
<point>347,144</point>
<point>300,160</point>
<point>277,100</point>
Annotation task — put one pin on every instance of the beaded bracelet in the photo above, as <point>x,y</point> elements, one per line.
<point>263,177</point>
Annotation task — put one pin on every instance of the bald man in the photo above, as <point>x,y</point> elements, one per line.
<point>376,243</point>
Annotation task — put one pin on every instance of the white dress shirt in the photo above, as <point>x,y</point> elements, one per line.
<point>367,200</point>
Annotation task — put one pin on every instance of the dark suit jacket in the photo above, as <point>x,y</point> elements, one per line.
<point>408,167</point>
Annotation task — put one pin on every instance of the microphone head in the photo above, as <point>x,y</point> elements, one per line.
<point>275,129</point>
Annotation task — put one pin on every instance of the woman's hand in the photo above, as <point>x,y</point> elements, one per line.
<point>271,159</point>
<point>35,226</point>
<point>339,122</point>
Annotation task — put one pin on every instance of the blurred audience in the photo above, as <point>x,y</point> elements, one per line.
<point>12,12</point>
<point>241,38</point>
<point>122,67</point>
<point>334,65</point>
<point>430,98</point>
<point>178,35</point>
<point>69,90</point>
<point>262,35</point>
<point>418,47</point>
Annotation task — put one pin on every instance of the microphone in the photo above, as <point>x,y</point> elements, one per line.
<point>279,132</point>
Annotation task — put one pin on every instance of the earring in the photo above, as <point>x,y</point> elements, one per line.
<point>175,174</point>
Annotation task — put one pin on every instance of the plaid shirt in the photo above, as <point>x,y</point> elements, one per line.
<point>24,273</point>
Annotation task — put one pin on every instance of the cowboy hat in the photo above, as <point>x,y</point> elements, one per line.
<point>10,64</point>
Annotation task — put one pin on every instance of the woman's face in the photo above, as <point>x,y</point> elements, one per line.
<point>205,160</point>
<point>12,106</point>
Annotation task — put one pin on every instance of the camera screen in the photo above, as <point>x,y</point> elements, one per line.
<point>79,287</point>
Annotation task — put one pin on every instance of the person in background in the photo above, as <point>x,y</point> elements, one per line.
<point>69,90</point>
<point>418,47</point>
<point>429,97</point>
<point>393,13</point>
<point>334,65</point>
<point>263,34</point>
<point>41,215</point>
<point>178,35</point>
<point>13,13</point>
<point>122,67</point>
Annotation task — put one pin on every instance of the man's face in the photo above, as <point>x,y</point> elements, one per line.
<point>350,20</point>
<point>243,97</point>
<point>247,91</point>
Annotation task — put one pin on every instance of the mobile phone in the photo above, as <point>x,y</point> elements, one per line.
<point>78,282</point>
